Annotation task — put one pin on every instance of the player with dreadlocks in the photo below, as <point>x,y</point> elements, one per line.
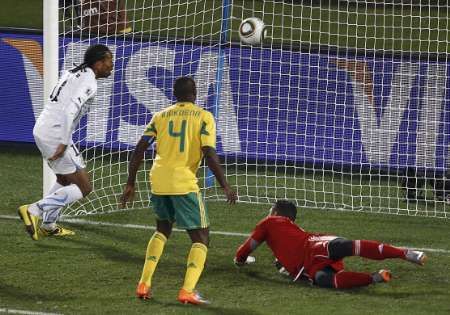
<point>69,101</point>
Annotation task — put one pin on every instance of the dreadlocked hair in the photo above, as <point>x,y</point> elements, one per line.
<point>93,54</point>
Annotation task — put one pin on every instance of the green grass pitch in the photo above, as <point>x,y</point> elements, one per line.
<point>95,271</point>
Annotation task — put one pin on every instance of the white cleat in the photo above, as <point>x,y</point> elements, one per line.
<point>416,257</point>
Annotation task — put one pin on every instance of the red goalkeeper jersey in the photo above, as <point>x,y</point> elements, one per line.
<point>286,240</point>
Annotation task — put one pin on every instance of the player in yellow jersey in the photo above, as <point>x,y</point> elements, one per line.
<point>184,134</point>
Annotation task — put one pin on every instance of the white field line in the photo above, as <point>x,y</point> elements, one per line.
<point>126,226</point>
<point>151,227</point>
<point>13,311</point>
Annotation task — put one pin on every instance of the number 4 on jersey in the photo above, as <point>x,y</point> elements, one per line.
<point>181,133</point>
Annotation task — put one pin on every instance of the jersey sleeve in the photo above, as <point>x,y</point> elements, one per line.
<point>208,131</point>
<point>85,92</point>
<point>257,237</point>
<point>260,231</point>
<point>150,129</point>
<point>73,109</point>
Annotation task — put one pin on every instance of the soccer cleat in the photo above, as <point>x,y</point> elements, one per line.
<point>30,221</point>
<point>143,291</point>
<point>382,276</point>
<point>194,297</point>
<point>416,257</point>
<point>58,231</point>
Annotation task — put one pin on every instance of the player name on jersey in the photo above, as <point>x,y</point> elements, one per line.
<point>181,112</point>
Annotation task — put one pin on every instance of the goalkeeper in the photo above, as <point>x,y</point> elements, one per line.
<point>184,133</point>
<point>70,100</point>
<point>318,257</point>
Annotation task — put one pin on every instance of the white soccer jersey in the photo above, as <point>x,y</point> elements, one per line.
<point>68,102</point>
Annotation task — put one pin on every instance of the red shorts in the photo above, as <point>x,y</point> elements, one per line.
<point>317,256</point>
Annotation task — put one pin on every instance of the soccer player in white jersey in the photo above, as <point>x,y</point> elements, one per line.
<point>69,101</point>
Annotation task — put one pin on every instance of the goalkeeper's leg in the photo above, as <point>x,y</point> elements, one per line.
<point>329,278</point>
<point>340,248</point>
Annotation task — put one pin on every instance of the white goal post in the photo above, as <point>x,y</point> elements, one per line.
<point>51,60</point>
<point>344,105</point>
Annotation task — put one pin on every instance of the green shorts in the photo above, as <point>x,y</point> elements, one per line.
<point>188,211</point>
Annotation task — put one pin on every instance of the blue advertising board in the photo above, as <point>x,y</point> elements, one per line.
<point>275,105</point>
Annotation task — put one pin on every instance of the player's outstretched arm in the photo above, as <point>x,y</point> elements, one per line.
<point>243,257</point>
<point>135,161</point>
<point>213,162</point>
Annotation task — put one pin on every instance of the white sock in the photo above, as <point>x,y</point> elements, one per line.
<point>34,209</point>
<point>52,204</point>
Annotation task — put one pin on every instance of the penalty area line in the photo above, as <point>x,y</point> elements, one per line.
<point>151,227</point>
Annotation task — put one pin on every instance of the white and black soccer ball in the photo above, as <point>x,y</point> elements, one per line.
<point>252,31</point>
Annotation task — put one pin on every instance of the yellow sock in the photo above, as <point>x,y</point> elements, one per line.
<point>195,263</point>
<point>154,250</point>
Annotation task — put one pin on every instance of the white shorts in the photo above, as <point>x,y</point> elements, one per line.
<point>69,163</point>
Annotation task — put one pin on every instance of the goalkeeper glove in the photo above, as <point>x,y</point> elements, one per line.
<point>248,261</point>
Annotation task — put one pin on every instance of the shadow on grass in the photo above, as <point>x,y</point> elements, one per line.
<point>282,281</point>
<point>362,291</point>
<point>111,233</point>
<point>26,293</point>
<point>212,309</point>
<point>112,252</point>
<point>394,294</point>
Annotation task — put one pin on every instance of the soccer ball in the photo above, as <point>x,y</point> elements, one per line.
<point>252,31</point>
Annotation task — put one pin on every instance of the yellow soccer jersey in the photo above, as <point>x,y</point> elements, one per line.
<point>181,130</point>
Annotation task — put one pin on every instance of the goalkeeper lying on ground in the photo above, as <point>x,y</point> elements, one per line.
<point>318,257</point>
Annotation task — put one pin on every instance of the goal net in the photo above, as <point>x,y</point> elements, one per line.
<point>343,106</point>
